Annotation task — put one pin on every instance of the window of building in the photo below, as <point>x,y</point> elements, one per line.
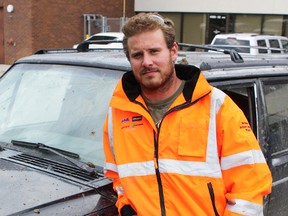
<point>247,23</point>
<point>194,28</point>
<point>272,25</point>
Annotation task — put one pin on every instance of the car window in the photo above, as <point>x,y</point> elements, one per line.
<point>98,37</point>
<point>37,101</point>
<point>243,96</point>
<point>102,38</point>
<point>285,45</point>
<point>276,96</point>
<point>262,43</point>
<point>233,43</point>
<point>274,43</point>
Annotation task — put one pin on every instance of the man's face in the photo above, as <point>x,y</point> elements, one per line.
<point>151,60</point>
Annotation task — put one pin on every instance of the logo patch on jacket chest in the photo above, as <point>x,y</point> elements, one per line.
<point>127,124</point>
<point>136,118</point>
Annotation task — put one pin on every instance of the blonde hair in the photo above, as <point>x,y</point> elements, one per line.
<point>144,22</point>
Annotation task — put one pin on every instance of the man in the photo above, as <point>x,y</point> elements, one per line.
<point>174,145</point>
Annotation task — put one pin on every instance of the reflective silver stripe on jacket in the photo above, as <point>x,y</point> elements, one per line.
<point>209,168</point>
<point>244,207</point>
<point>242,158</point>
<point>110,130</point>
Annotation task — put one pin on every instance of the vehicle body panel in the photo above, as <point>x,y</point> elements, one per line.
<point>252,43</point>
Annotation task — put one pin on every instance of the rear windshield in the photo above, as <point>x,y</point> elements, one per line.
<point>98,37</point>
<point>233,43</point>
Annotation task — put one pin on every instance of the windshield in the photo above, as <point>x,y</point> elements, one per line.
<point>58,105</point>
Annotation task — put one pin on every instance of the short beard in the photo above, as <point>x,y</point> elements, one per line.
<point>164,85</point>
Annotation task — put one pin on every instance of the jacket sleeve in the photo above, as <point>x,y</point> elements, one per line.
<point>110,171</point>
<point>246,175</point>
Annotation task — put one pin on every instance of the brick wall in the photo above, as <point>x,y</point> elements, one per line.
<point>39,24</point>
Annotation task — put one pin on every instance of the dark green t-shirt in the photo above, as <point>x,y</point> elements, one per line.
<point>157,109</point>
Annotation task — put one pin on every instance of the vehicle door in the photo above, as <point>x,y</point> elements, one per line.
<point>265,104</point>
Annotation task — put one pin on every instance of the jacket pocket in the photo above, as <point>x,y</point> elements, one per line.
<point>212,197</point>
<point>193,138</point>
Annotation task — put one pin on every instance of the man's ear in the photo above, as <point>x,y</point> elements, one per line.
<point>174,51</point>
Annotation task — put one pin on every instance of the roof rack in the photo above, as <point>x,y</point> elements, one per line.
<point>235,56</point>
<point>84,47</point>
<point>56,50</point>
<point>232,46</point>
<point>71,50</point>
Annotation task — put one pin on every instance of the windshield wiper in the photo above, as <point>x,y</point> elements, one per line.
<point>69,156</point>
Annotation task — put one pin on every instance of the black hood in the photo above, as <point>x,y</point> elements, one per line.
<point>28,188</point>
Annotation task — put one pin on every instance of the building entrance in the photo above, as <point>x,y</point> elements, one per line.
<point>217,24</point>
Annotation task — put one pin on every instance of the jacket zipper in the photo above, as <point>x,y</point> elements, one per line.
<point>156,164</point>
<point>156,157</point>
<point>156,147</point>
<point>212,197</point>
<point>159,181</point>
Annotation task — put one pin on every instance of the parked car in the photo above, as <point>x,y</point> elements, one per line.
<point>252,43</point>
<point>103,40</point>
<point>53,106</point>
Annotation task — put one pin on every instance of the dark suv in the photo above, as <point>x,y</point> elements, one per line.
<point>52,108</point>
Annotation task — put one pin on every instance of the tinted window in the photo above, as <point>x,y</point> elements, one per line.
<point>274,43</point>
<point>243,96</point>
<point>276,96</point>
<point>233,43</point>
<point>102,38</point>
<point>285,45</point>
<point>262,43</point>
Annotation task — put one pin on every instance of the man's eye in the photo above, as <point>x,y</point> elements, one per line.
<point>136,55</point>
<point>154,51</point>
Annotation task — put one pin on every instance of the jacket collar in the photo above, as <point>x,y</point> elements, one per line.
<point>188,73</point>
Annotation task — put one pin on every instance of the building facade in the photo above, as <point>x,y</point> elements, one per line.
<point>29,25</point>
<point>197,22</point>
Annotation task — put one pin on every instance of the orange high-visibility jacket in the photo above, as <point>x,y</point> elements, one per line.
<point>202,159</point>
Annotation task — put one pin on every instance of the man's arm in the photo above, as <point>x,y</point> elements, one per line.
<point>245,172</point>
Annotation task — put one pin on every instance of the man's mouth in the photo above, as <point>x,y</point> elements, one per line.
<point>149,71</point>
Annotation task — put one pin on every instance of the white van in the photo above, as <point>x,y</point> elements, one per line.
<point>252,43</point>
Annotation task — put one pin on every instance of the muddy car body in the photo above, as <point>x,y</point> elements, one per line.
<point>53,106</point>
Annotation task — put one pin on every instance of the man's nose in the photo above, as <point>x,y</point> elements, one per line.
<point>147,60</point>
